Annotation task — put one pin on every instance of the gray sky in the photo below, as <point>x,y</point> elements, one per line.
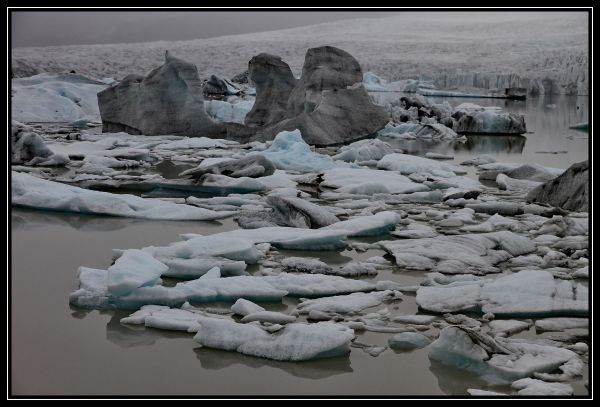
<point>65,28</point>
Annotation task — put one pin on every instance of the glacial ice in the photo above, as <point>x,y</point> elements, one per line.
<point>418,130</point>
<point>93,289</point>
<point>475,253</point>
<point>511,359</point>
<point>269,317</point>
<point>33,192</point>
<point>407,164</point>
<point>226,112</point>
<point>363,181</point>
<point>560,324</point>
<point>295,342</point>
<point>346,304</point>
<point>244,307</point>
<point>535,387</point>
<point>290,152</point>
<point>363,150</point>
<point>133,269</point>
<point>408,341</point>
<point>55,98</point>
<point>373,225</point>
<point>526,294</point>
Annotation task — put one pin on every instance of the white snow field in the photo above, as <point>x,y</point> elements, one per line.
<point>478,49</point>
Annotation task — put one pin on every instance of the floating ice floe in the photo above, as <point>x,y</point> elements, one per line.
<point>363,181</point>
<point>408,341</point>
<point>381,222</point>
<point>407,164</point>
<point>560,324</point>
<point>495,360</point>
<point>474,253</point>
<point>294,342</point>
<point>290,152</point>
<point>55,98</point>
<point>507,326</point>
<point>526,294</point>
<point>93,289</point>
<point>228,112</point>
<point>33,192</point>
<point>29,148</point>
<point>347,304</point>
<point>363,151</point>
<point>417,130</point>
<point>534,387</point>
<point>244,307</point>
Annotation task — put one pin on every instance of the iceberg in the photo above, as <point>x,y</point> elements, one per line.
<point>408,341</point>
<point>294,342</point>
<point>418,130</point>
<point>373,225</point>
<point>526,294</point>
<point>226,112</point>
<point>346,304</point>
<point>408,164</point>
<point>93,289</point>
<point>55,98</point>
<point>475,253</point>
<point>534,387</point>
<point>364,150</point>
<point>363,181</point>
<point>290,152</point>
<point>132,270</point>
<point>33,192</point>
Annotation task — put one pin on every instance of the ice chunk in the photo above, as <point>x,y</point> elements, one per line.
<point>93,292</point>
<point>362,181</point>
<point>192,143</point>
<point>228,112</point>
<point>364,150</point>
<point>305,265</point>
<point>198,266</point>
<point>534,387</point>
<point>270,317</point>
<point>408,341</point>
<point>560,324</point>
<point>415,319</point>
<point>408,164</point>
<point>512,184</point>
<point>528,293</point>
<point>55,98</point>
<point>33,192</point>
<point>418,130</point>
<point>510,360</point>
<point>381,222</point>
<point>344,304</point>
<point>477,392</point>
<point>294,342</point>
<point>28,147</point>
<point>508,327</point>
<point>290,152</point>
<point>476,254</point>
<point>133,269</point>
<point>172,319</point>
<point>244,307</point>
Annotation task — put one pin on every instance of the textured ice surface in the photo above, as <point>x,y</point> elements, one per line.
<point>476,253</point>
<point>407,164</point>
<point>33,192</point>
<point>294,342</point>
<point>381,222</point>
<point>418,130</point>
<point>408,341</point>
<point>55,98</point>
<point>290,152</point>
<point>344,304</point>
<point>244,307</point>
<point>228,112</point>
<point>534,387</point>
<point>528,293</point>
<point>270,317</point>
<point>133,269</point>
<point>518,359</point>
<point>364,150</point>
<point>362,181</point>
<point>560,324</point>
<point>93,292</point>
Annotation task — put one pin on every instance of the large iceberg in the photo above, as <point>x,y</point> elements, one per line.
<point>55,98</point>
<point>33,192</point>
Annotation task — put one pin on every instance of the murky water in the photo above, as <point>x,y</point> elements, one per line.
<point>61,350</point>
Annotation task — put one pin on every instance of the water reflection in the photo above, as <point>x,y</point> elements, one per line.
<point>214,359</point>
<point>474,144</point>
<point>455,381</point>
<point>29,219</point>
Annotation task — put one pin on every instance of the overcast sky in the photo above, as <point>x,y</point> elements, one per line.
<point>65,28</point>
